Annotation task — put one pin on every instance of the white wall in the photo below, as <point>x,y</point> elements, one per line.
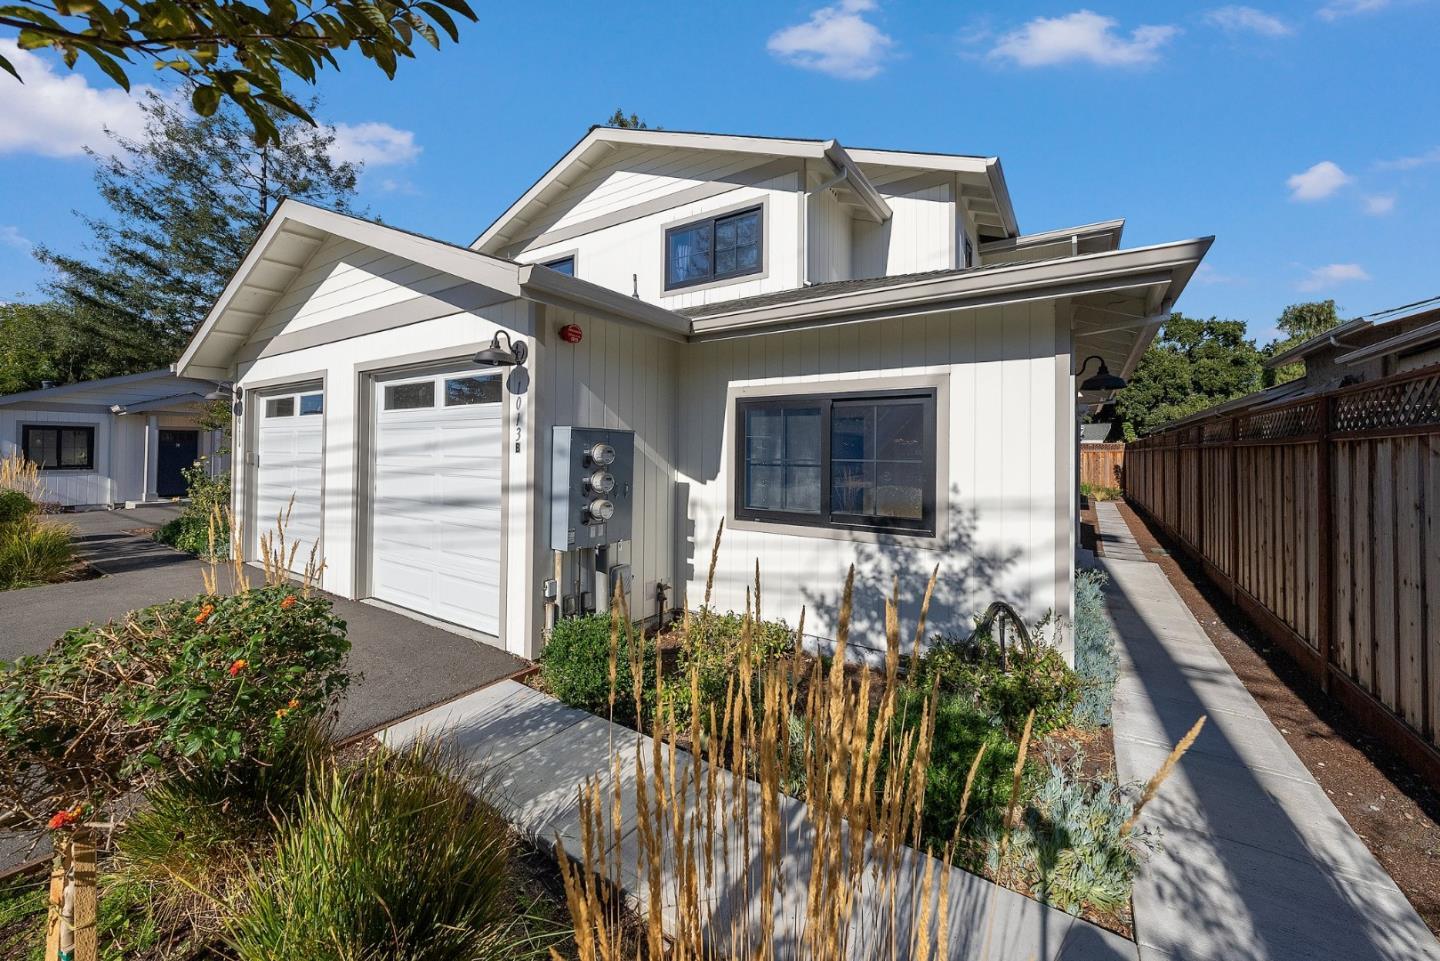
<point>828,235</point>
<point>623,378</point>
<point>1009,416</point>
<point>68,488</point>
<point>919,236</point>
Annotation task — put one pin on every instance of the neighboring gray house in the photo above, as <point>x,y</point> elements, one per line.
<point>847,356</point>
<point>114,442</point>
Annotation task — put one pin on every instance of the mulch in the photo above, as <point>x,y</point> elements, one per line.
<point>1393,811</point>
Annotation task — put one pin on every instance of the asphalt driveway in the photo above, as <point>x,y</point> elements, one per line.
<point>403,666</point>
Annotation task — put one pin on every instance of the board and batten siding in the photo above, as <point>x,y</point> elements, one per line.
<point>622,378</point>
<point>69,488</point>
<point>1008,533</point>
<point>919,236</point>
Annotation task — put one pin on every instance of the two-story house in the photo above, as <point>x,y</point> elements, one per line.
<point>847,356</point>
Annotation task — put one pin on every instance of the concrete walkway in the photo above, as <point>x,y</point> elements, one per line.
<point>1113,536</point>
<point>1256,864</point>
<point>537,753</point>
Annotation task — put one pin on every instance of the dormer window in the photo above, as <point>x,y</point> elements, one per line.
<point>716,248</point>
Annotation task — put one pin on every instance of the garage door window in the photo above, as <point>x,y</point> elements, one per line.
<point>410,396</point>
<point>472,390</point>
<point>312,404</point>
<point>280,407</point>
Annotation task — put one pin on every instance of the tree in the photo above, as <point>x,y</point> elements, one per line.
<point>232,51</point>
<point>1193,365</point>
<point>632,122</point>
<point>186,201</point>
<point>1299,322</point>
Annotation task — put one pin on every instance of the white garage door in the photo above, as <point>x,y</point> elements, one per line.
<point>289,473</point>
<point>435,524</point>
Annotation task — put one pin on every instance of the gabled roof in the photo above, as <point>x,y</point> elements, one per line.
<point>989,197</point>
<point>1411,337</point>
<point>108,389</point>
<point>296,230</point>
<point>1321,341</point>
<point>1084,239</point>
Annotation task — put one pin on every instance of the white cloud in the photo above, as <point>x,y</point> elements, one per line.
<point>1237,19</point>
<point>1336,9</point>
<point>1378,205</point>
<point>56,113</point>
<point>1211,277</point>
<point>837,40</point>
<point>374,144</point>
<point>1321,278</point>
<point>1431,156</point>
<point>1317,183</point>
<point>1082,36</point>
<point>10,236</point>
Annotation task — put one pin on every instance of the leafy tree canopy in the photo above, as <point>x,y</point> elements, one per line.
<point>1193,365</point>
<point>632,122</point>
<point>229,50</point>
<point>185,202</point>
<point>1299,322</point>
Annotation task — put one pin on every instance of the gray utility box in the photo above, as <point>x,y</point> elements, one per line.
<point>592,482</point>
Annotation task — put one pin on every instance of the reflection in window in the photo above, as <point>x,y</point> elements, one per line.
<point>280,407</point>
<point>312,404</point>
<point>729,246</point>
<point>410,396</point>
<point>472,390</point>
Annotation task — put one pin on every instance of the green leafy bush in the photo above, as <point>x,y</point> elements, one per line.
<point>1097,492</point>
<point>394,858</point>
<point>204,684</point>
<point>1068,849</point>
<point>15,506</point>
<point>209,500</point>
<point>1037,679</point>
<point>575,666</point>
<point>33,552</point>
<point>1096,659</point>
<point>713,648</point>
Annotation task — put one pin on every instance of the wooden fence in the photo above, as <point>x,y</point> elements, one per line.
<point>1102,465</point>
<point>1322,519</point>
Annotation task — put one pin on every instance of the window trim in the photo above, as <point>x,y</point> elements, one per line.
<point>827,519</point>
<point>89,467</point>
<point>761,266</point>
<point>571,255</point>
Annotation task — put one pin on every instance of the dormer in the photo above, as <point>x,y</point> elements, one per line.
<point>686,219</point>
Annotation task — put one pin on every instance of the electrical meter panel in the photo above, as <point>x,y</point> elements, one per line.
<point>592,486</point>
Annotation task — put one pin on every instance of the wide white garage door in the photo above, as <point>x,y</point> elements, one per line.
<point>289,474</point>
<point>435,524</point>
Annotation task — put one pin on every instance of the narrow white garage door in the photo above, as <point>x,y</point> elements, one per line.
<point>290,465</point>
<point>435,525</point>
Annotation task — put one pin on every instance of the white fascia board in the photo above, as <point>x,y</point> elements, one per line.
<point>841,160</point>
<point>1022,241</point>
<point>460,262</point>
<point>1171,263</point>
<point>548,286</point>
<point>159,403</point>
<point>617,136</point>
<point>50,393</point>
<point>1391,345</point>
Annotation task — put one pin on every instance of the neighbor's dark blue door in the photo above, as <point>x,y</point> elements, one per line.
<point>178,450</point>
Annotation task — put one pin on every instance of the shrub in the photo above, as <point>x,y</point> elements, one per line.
<point>394,858</point>
<point>1096,659</point>
<point>32,552</point>
<point>209,500</point>
<point>712,647</point>
<point>1069,848</point>
<point>15,506</point>
<point>575,666</point>
<point>204,684</point>
<point>1037,679</point>
<point>1098,492</point>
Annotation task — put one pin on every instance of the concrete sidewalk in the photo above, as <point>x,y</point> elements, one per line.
<point>1256,862</point>
<point>537,753</point>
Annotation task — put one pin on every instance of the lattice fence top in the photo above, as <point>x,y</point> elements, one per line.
<point>1414,402</point>
<point>1294,421</point>
<point>1218,430</point>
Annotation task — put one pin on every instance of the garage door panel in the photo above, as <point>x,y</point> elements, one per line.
<point>289,479</point>
<point>435,512</point>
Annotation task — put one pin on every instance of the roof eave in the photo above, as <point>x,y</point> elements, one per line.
<point>1319,341</point>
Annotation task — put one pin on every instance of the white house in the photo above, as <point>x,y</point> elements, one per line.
<point>848,356</point>
<point>109,442</point>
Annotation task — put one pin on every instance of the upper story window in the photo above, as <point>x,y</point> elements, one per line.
<point>565,265</point>
<point>714,249</point>
<point>852,461</point>
<point>60,448</point>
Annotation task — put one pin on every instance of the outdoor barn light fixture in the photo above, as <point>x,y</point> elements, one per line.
<point>1103,379</point>
<point>496,356</point>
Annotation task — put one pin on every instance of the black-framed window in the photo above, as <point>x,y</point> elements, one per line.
<point>854,461</point>
<point>59,448</point>
<point>717,248</point>
<point>565,265</point>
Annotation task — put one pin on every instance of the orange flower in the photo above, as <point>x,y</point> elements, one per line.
<point>238,665</point>
<point>281,711</point>
<point>288,603</point>
<point>63,819</point>
<point>205,613</point>
<point>293,704</point>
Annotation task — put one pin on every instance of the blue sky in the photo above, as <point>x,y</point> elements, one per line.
<point>1299,134</point>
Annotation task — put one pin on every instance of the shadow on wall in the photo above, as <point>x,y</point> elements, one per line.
<point>968,576</point>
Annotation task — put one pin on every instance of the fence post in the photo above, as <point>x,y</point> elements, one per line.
<point>1324,564</point>
<point>1234,496</point>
